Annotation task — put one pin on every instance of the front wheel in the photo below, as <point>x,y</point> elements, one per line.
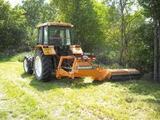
<point>42,66</point>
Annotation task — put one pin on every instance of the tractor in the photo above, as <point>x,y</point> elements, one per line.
<point>55,55</point>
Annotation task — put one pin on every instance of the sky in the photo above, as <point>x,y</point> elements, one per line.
<point>14,2</point>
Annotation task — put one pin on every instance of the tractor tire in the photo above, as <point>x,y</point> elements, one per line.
<point>42,66</point>
<point>27,65</point>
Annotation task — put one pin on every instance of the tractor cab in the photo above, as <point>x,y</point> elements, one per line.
<point>54,33</point>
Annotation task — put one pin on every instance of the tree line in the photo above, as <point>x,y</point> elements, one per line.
<point>119,32</point>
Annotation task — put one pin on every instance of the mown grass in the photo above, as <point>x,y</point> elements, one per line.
<point>23,97</point>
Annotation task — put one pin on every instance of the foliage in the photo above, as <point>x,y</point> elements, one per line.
<point>36,11</point>
<point>12,26</point>
<point>142,56</point>
<point>88,28</point>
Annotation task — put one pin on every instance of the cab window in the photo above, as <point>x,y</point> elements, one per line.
<point>59,35</point>
<point>40,35</point>
<point>46,35</point>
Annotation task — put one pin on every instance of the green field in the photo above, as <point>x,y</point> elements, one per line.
<point>24,98</point>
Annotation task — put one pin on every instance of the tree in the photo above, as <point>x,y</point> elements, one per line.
<point>12,27</point>
<point>37,11</point>
<point>33,11</point>
<point>155,8</point>
<point>82,14</point>
<point>152,9</point>
<point>124,18</point>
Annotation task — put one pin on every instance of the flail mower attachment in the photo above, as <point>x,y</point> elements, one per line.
<point>79,67</point>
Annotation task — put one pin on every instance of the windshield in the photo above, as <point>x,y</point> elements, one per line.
<point>60,34</point>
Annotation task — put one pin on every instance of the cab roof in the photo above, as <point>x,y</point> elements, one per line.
<point>58,24</point>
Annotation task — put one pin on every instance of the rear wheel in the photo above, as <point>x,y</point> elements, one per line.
<point>27,65</point>
<point>42,66</point>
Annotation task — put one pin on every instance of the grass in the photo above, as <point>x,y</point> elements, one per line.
<point>23,97</point>
<point>13,58</point>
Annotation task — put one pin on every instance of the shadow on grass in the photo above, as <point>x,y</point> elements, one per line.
<point>59,83</point>
<point>14,57</point>
<point>25,75</point>
<point>142,87</point>
<point>4,59</point>
<point>155,103</point>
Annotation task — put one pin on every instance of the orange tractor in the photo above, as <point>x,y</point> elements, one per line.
<point>55,55</point>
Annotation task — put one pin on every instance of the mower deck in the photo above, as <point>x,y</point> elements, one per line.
<point>84,68</point>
